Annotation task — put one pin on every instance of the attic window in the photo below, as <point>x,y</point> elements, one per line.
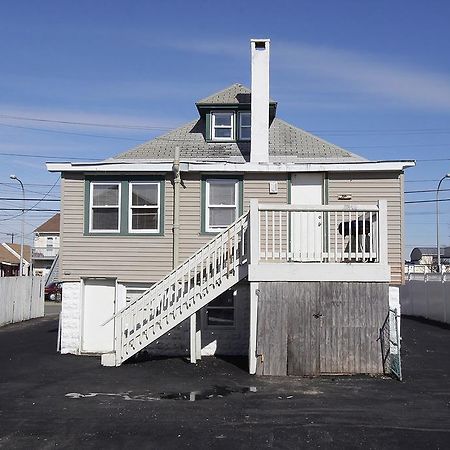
<point>222,125</point>
<point>245,126</point>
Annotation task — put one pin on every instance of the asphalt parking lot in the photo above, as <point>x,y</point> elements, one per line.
<point>49,400</point>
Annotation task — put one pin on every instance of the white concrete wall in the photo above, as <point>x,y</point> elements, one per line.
<point>427,296</point>
<point>70,319</point>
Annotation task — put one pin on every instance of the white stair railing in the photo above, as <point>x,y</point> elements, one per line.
<point>215,267</point>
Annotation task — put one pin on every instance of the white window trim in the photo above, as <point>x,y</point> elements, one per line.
<point>244,126</point>
<point>234,181</point>
<point>213,126</point>
<point>91,205</point>
<point>131,207</point>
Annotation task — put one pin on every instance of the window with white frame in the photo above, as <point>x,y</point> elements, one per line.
<point>245,119</point>
<point>104,207</point>
<point>222,125</point>
<point>144,205</point>
<point>220,312</point>
<point>222,203</point>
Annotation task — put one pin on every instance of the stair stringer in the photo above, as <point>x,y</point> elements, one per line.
<point>152,335</point>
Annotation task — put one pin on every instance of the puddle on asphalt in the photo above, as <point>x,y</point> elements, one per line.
<point>215,392</point>
<point>192,396</point>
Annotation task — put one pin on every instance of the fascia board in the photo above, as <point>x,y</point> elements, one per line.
<point>359,166</point>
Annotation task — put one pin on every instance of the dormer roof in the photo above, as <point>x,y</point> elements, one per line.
<point>236,94</point>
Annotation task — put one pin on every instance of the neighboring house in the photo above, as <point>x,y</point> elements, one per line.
<point>45,246</point>
<point>424,259</point>
<point>286,248</point>
<point>10,260</point>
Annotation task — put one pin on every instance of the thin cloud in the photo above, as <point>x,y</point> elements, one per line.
<point>410,86</point>
<point>358,74</point>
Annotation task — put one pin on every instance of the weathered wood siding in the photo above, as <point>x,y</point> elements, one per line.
<point>368,188</point>
<point>320,327</point>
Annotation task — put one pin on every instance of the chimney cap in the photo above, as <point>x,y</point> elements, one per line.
<point>259,40</point>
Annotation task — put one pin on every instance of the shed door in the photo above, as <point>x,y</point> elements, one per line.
<point>306,227</point>
<point>98,305</point>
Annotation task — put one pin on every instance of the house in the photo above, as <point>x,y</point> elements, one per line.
<point>45,245</point>
<point>10,260</point>
<point>235,234</point>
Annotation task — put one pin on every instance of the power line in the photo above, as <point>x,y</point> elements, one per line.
<point>89,124</point>
<point>71,133</point>
<point>420,181</point>
<point>426,190</point>
<point>429,201</point>
<point>37,203</point>
<point>30,199</point>
<point>24,155</point>
<point>27,184</point>
<point>28,210</point>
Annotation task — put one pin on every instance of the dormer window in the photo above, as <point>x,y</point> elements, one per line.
<point>245,126</point>
<point>222,125</point>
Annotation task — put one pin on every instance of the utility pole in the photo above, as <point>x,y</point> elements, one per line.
<point>12,237</point>
<point>13,177</point>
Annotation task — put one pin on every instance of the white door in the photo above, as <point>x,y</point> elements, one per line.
<point>306,227</point>
<point>98,305</point>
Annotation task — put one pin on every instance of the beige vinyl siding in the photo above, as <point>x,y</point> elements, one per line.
<point>368,188</point>
<point>257,186</point>
<point>190,216</point>
<point>143,258</point>
<point>146,259</point>
<point>129,258</point>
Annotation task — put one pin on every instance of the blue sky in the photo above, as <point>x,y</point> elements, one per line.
<point>373,77</point>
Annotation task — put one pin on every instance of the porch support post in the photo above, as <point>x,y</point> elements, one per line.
<point>193,338</point>
<point>254,231</point>
<point>253,327</point>
<point>383,231</point>
<point>198,338</point>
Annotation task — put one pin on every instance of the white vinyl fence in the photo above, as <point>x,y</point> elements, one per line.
<point>426,295</point>
<point>21,298</point>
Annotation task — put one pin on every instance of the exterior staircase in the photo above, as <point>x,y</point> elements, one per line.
<point>214,268</point>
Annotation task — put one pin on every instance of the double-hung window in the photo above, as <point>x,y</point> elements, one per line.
<point>144,205</point>
<point>222,125</point>
<point>245,126</point>
<point>104,207</point>
<point>222,203</point>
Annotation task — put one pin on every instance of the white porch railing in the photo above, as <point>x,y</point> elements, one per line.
<point>282,233</point>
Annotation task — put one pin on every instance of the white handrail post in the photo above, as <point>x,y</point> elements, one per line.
<point>382,232</point>
<point>254,231</point>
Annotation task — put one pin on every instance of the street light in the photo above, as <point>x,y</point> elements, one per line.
<point>13,177</point>
<point>437,222</point>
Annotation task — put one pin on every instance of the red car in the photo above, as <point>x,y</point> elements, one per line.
<point>53,292</point>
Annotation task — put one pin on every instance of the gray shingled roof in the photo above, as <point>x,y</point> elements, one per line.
<point>234,95</point>
<point>286,144</point>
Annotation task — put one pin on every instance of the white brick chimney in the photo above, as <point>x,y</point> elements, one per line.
<point>259,146</point>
